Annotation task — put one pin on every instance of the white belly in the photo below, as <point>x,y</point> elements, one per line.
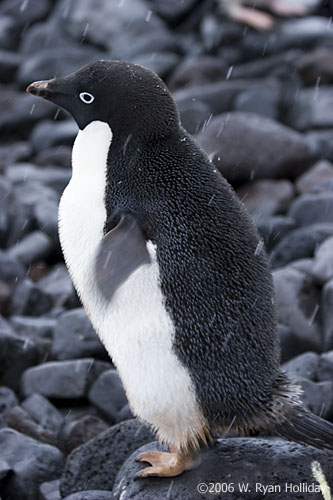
<point>134,326</point>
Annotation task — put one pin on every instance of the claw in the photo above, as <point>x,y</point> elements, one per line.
<point>165,464</point>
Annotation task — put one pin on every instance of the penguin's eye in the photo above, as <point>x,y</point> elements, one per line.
<point>86,97</point>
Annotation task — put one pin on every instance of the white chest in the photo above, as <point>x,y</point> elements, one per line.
<point>135,327</point>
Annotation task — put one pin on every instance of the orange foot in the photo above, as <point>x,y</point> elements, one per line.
<point>166,464</point>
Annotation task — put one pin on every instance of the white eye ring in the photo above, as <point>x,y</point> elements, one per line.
<point>86,97</point>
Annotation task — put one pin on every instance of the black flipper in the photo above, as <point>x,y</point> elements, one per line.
<point>306,428</point>
<point>122,251</point>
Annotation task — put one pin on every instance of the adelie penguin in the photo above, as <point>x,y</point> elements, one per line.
<point>171,271</point>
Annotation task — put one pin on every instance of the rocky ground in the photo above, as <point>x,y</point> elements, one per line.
<point>261,104</point>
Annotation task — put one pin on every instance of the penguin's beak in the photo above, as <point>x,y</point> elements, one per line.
<point>40,89</point>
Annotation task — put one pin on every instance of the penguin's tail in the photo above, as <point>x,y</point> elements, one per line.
<point>306,428</point>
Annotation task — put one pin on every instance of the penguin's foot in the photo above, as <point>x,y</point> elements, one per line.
<point>165,464</point>
<point>255,18</point>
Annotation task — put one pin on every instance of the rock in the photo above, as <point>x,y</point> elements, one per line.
<point>8,400</point>
<point>298,305</point>
<point>9,62</point>
<point>263,198</point>
<point>35,246</point>
<point>321,142</point>
<point>109,450</point>
<point>21,111</point>
<point>312,208</point>
<point>33,327</point>
<point>16,355</point>
<point>316,66</point>
<point>273,229</point>
<point>91,495</point>
<point>327,314</point>
<point>263,102</point>
<point>58,286</point>
<point>21,421</point>
<point>173,11</point>
<point>55,179</point>
<point>303,265</point>
<point>62,379</point>
<point>13,152</point>
<point>194,115</point>
<point>325,367</point>
<point>50,490</point>
<point>5,293</point>
<point>75,337</point>
<point>310,27</point>
<point>318,397</point>
<point>245,146</point>
<point>313,108</point>
<point>46,215</point>
<point>276,65</point>
<point>29,300</point>
<point>44,413</point>
<point>78,432</point>
<point>11,270</point>
<point>46,35</point>
<point>289,343</point>
<point>25,13</point>
<point>30,463</point>
<point>320,173</point>
<point>161,63</point>
<point>58,155</point>
<point>323,264</point>
<point>49,133</point>
<point>196,71</point>
<point>9,33</point>
<point>45,64</point>
<point>246,462</point>
<point>304,366</point>
<point>108,395</point>
<point>80,20</point>
<point>300,243</point>
<point>220,96</point>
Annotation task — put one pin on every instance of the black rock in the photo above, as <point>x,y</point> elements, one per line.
<point>298,305</point>
<point>313,108</point>
<point>162,63</point>
<point>125,413</point>
<point>299,243</point>
<point>325,366</point>
<point>33,247</point>
<point>322,269</point>
<point>53,178</point>
<point>318,397</point>
<point>49,133</point>
<point>16,355</point>
<point>246,461</point>
<point>58,286</point>
<point>276,65</point>
<point>327,314</point>
<point>29,300</point>
<point>30,463</point>
<point>46,64</point>
<point>21,421</point>
<point>263,198</point>
<point>77,432</point>
<point>32,327</point>
<point>91,495</point>
<point>303,366</point>
<point>321,173</point>
<point>14,151</point>
<point>264,102</point>
<point>289,343</point>
<point>316,66</point>
<point>245,146</point>
<point>9,33</point>
<point>50,490</point>
<point>173,11</point>
<point>321,142</point>
<point>43,36</point>
<point>58,155</point>
<point>8,400</point>
<point>273,229</point>
<point>312,208</point>
<point>9,62</point>
<point>21,111</point>
<point>25,12</point>
<point>75,337</point>
<point>108,394</point>
<point>198,70</point>
<point>194,115</point>
<point>95,464</point>
<point>43,412</point>
<point>11,270</point>
<point>62,379</point>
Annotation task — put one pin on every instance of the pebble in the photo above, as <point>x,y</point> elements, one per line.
<point>327,314</point>
<point>43,412</point>
<point>108,395</point>
<point>319,174</point>
<point>323,263</point>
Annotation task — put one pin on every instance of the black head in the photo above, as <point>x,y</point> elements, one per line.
<point>130,98</point>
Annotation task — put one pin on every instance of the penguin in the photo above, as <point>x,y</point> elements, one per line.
<point>171,271</point>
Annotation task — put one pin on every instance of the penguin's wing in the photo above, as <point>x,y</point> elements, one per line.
<point>121,252</point>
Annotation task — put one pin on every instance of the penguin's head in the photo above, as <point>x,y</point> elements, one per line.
<point>130,98</point>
